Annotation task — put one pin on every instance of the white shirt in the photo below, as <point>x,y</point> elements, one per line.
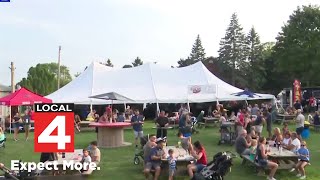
<point>300,120</point>
<point>296,143</point>
<point>286,141</point>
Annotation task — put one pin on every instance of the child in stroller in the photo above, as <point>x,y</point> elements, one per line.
<point>146,142</point>
<point>216,169</point>
<point>2,138</point>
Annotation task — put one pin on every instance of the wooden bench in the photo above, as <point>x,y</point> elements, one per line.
<point>258,168</point>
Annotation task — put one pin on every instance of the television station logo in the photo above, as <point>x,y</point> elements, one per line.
<point>54,127</point>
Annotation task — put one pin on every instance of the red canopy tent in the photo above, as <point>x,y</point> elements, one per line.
<point>22,97</point>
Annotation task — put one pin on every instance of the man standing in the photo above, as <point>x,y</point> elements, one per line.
<point>137,121</point>
<point>300,124</point>
<point>162,122</point>
<point>154,160</point>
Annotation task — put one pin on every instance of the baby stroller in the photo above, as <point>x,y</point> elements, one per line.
<point>139,150</point>
<point>194,122</point>
<point>218,168</point>
<point>227,132</point>
<point>17,175</point>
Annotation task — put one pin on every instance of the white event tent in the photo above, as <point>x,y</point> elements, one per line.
<point>149,83</point>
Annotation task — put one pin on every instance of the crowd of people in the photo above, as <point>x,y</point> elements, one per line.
<point>257,146</point>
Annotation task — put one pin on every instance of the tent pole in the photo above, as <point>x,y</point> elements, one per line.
<point>158,108</point>
<point>10,117</point>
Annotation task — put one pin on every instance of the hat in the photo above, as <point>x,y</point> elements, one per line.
<point>160,140</point>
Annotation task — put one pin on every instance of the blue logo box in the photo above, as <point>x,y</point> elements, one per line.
<point>4,0</point>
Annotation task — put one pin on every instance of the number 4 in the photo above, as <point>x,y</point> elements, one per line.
<point>61,139</point>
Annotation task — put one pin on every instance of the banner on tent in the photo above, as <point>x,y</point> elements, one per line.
<point>202,89</point>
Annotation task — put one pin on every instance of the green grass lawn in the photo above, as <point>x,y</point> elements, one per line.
<point>117,163</point>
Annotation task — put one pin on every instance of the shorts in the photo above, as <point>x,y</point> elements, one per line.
<point>199,167</point>
<point>299,130</point>
<point>263,162</point>
<point>152,165</point>
<point>259,128</point>
<point>172,172</point>
<point>27,126</point>
<point>304,160</point>
<point>16,125</point>
<point>138,134</point>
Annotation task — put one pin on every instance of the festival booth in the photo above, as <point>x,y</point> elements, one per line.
<point>22,97</point>
<point>149,83</point>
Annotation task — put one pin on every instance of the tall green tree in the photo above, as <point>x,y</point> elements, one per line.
<point>107,63</point>
<point>297,50</point>
<point>137,62</point>
<point>197,54</point>
<point>42,78</point>
<point>232,52</point>
<point>255,67</point>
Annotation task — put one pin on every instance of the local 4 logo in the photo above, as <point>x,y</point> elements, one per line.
<point>54,128</point>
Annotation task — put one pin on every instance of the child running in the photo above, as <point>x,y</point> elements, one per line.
<point>172,161</point>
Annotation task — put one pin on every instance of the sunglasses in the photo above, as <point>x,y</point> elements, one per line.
<point>303,145</point>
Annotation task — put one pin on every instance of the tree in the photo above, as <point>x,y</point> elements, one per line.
<point>65,76</point>
<point>255,67</point>
<point>127,66</point>
<point>137,62</point>
<point>297,47</point>
<point>197,54</point>
<point>232,52</point>
<point>42,78</point>
<point>185,62</point>
<point>107,63</point>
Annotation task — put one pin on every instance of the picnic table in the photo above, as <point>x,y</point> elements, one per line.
<point>75,157</point>
<point>110,135</point>
<point>210,120</point>
<point>285,159</point>
<point>183,159</point>
<point>284,117</point>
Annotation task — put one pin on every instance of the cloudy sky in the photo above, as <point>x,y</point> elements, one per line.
<point>155,30</point>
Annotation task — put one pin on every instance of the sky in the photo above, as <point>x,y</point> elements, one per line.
<point>95,30</point>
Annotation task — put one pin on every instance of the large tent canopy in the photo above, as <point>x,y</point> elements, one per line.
<point>149,83</point>
<point>23,96</point>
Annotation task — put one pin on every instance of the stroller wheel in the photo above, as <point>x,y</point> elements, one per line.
<point>136,160</point>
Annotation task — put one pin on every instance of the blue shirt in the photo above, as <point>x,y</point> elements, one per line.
<point>304,151</point>
<point>182,121</point>
<point>172,162</point>
<point>316,120</point>
<point>137,127</point>
<point>121,118</point>
<point>156,151</point>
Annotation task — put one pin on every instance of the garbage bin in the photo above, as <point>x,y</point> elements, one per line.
<point>306,131</point>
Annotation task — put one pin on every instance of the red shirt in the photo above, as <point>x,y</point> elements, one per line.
<point>108,110</point>
<point>203,159</point>
<point>241,119</point>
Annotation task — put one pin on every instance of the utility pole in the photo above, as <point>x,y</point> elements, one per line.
<point>12,68</point>
<point>59,67</point>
